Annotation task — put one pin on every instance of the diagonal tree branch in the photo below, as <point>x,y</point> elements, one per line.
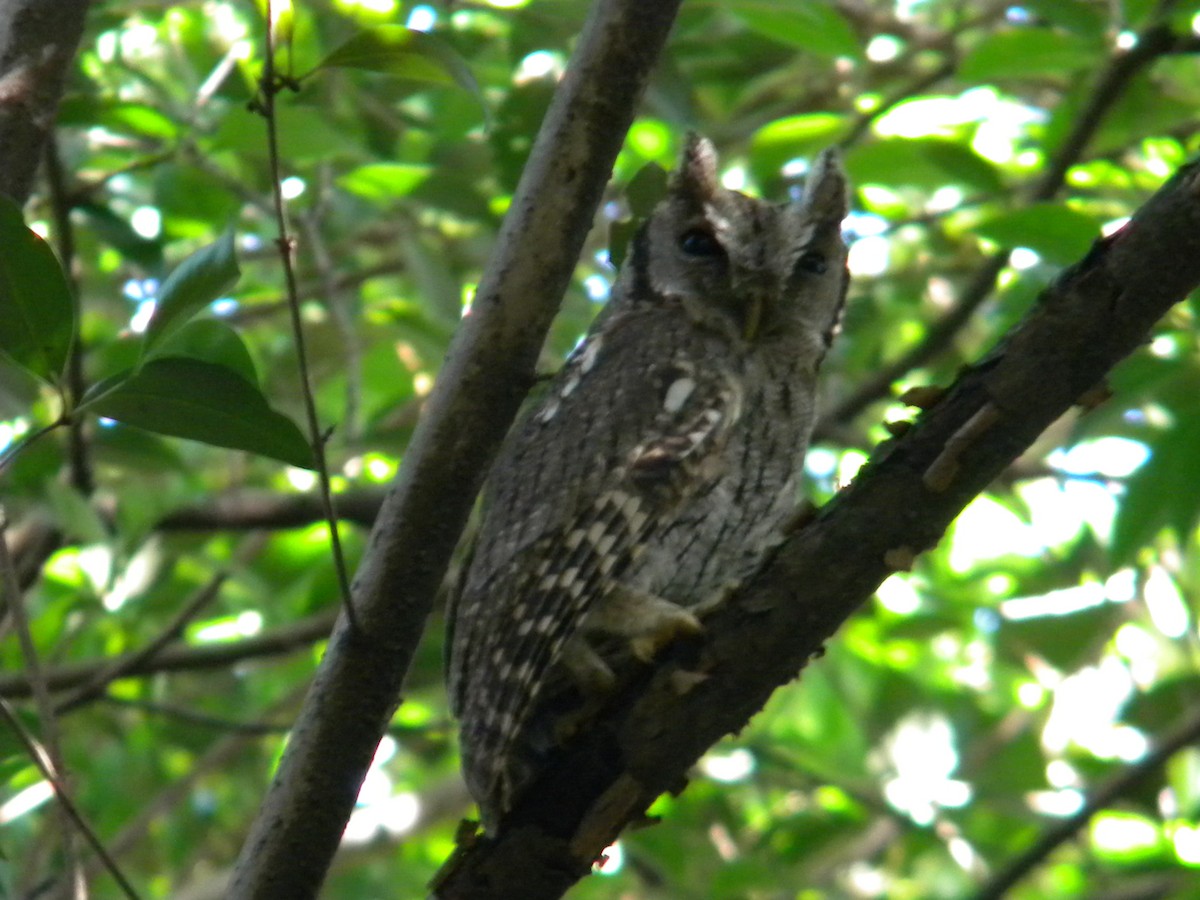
<point>1095,314</point>
<point>1185,734</point>
<point>488,370</point>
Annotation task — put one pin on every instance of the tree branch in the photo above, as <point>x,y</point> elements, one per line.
<point>643,743</point>
<point>1182,735</point>
<point>176,657</point>
<point>37,43</point>
<point>489,368</point>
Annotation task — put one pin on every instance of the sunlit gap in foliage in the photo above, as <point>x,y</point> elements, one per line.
<point>597,288</point>
<point>611,861</point>
<point>227,628</point>
<point>538,65</point>
<point>141,291</point>
<point>379,8</point>
<point>869,248</point>
<point>147,222</point>
<point>12,431</point>
<point>372,466</point>
<point>381,810</point>
<point>1002,121</point>
<point>1185,840</point>
<point>300,479</point>
<point>1058,507</point>
<point>292,187</point>
<point>918,758</point>
<point>136,577</point>
<point>729,766</point>
<point>884,48</point>
<point>422,18</point>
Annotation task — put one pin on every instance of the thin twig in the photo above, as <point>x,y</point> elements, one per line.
<point>122,666</point>
<point>204,720</point>
<point>488,370</point>
<point>270,86</point>
<point>180,657</point>
<point>1183,735</point>
<point>53,761</point>
<point>41,759</point>
<point>60,204</point>
<point>1154,42</point>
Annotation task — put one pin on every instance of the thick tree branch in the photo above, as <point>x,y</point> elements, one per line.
<point>489,368</point>
<point>37,42</point>
<point>1094,315</point>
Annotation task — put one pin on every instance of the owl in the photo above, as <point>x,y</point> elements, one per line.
<point>655,473</point>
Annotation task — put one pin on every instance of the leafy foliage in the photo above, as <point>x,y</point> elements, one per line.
<point>1044,646</point>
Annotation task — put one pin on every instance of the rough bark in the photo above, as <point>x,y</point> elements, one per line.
<point>1095,314</point>
<point>38,39</point>
<point>488,370</point>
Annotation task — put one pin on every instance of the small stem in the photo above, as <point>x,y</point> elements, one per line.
<point>41,759</point>
<point>271,86</point>
<point>49,759</point>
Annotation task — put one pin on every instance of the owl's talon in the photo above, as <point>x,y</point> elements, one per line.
<point>587,670</point>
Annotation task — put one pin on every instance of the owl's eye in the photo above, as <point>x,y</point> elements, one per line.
<point>812,262</point>
<point>698,242</point>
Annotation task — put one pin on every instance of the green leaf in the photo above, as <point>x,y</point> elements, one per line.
<point>792,137</point>
<point>1027,53</point>
<point>1058,233</point>
<point>201,401</point>
<point>37,315</point>
<point>76,517</point>
<point>196,282</point>
<point>1165,491</point>
<point>645,189</point>
<point>816,27</point>
<point>1074,15</point>
<point>209,340</point>
<point>926,163</point>
<point>384,181</point>
<point>119,234</point>
<point>1064,641</point>
<point>620,234</point>
<point>404,53</point>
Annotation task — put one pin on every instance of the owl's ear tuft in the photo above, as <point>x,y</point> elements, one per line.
<point>825,193</point>
<point>696,177</point>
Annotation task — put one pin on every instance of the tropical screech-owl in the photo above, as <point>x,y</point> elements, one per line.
<point>658,468</point>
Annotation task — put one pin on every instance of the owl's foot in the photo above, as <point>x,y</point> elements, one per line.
<point>648,621</point>
<point>587,669</point>
<point>716,599</point>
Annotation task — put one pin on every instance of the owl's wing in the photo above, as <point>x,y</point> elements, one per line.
<point>522,619</point>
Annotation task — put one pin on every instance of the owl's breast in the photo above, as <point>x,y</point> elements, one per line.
<point>720,533</point>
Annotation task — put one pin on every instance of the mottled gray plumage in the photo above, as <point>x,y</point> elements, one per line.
<point>657,469</point>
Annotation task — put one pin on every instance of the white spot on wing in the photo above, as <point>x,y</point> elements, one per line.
<point>678,393</point>
<point>548,411</point>
<point>591,352</point>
